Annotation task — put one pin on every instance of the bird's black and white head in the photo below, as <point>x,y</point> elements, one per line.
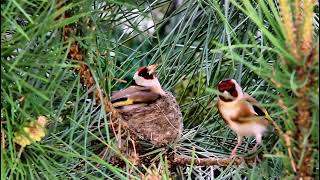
<point>230,90</point>
<point>145,76</point>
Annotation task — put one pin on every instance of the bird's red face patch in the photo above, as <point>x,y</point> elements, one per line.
<point>144,72</point>
<point>228,85</point>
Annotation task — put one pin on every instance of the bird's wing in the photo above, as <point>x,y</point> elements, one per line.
<point>125,92</point>
<point>252,111</point>
<point>256,106</point>
<point>132,95</point>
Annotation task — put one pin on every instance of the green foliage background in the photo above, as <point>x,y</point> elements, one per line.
<point>195,43</point>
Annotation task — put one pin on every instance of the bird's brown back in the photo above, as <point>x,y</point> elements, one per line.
<point>243,113</point>
<point>138,93</point>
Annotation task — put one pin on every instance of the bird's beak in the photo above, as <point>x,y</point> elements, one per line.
<point>227,95</point>
<point>152,68</point>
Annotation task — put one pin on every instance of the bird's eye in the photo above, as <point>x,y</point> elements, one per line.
<point>143,72</point>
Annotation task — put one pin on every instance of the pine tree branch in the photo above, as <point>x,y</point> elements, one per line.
<point>86,78</point>
<point>118,126</point>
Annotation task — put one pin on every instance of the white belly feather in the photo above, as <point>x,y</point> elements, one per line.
<point>247,129</point>
<point>230,110</point>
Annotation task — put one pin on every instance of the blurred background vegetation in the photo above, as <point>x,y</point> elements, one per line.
<point>269,47</point>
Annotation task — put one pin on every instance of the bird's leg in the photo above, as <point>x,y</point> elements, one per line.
<point>234,151</point>
<point>258,141</point>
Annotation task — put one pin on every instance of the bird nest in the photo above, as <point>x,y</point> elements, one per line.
<point>159,122</point>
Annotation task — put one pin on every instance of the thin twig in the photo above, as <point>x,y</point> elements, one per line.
<point>184,160</point>
<point>103,154</point>
<point>287,139</point>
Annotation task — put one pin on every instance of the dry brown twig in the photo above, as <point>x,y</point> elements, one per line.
<point>183,160</point>
<point>287,139</point>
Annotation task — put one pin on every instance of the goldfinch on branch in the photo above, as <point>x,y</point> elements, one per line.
<point>241,112</point>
